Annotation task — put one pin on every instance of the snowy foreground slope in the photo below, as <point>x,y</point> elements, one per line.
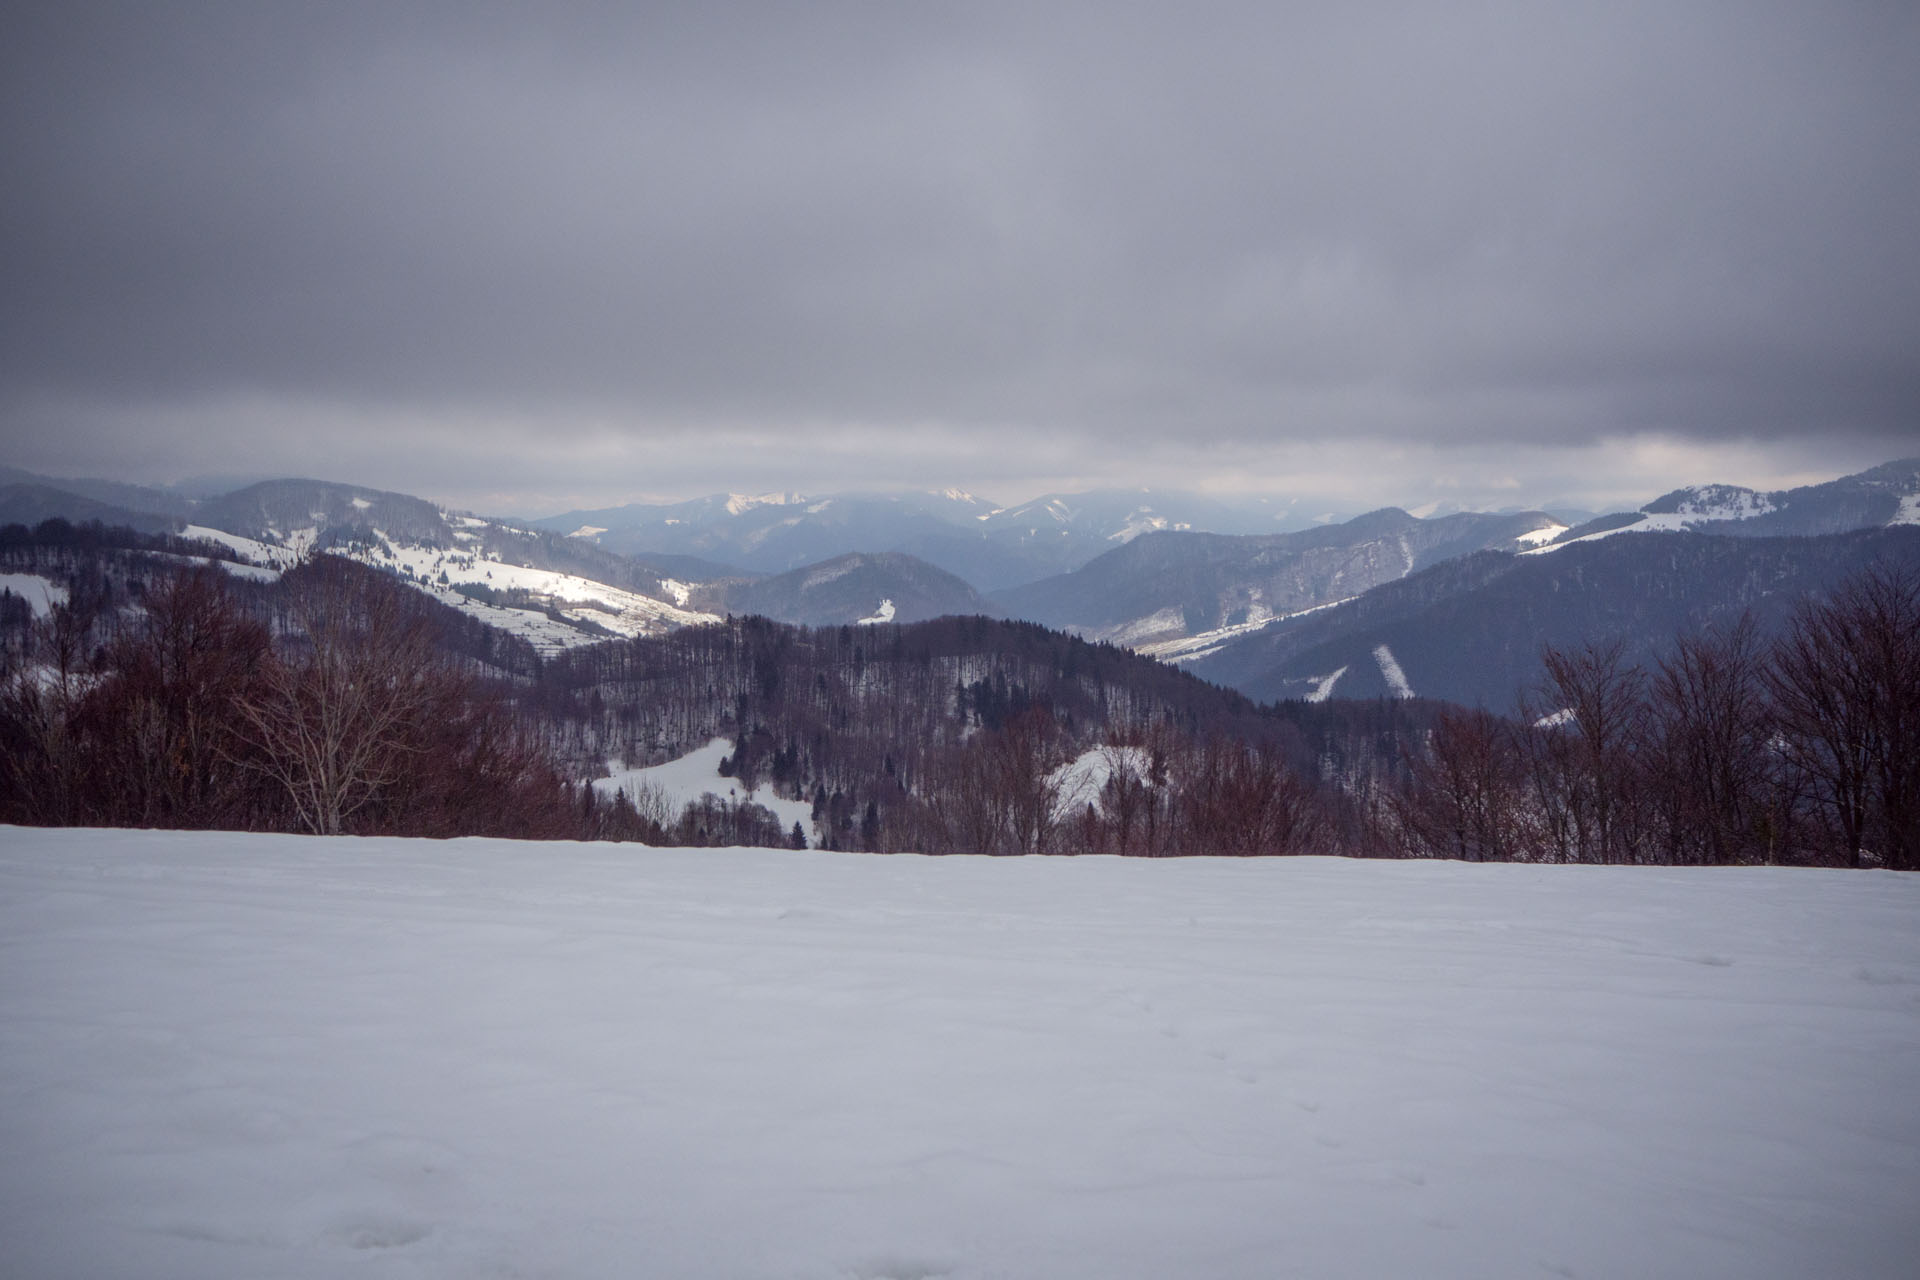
<point>253,1056</point>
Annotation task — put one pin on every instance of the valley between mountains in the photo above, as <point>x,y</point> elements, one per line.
<point>935,672</point>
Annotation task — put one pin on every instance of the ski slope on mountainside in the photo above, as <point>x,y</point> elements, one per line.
<point>230,1055</point>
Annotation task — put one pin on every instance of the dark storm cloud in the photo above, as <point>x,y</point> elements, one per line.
<point>617,232</point>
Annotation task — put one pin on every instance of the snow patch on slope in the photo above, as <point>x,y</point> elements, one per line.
<point>1204,644</point>
<point>1722,502</point>
<point>697,774</point>
<point>820,577</point>
<point>1545,534</point>
<point>1390,669</point>
<point>254,552</point>
<point>1145,521</point>
<point>586,609</point>
<point>1707,504</point>
<point>883,614</point>
<point>1078,783</point>
<point>1154,624</point>
<point>41,594</point>
<point>1663,522</point>
<point>741,503</point>
<point>1324,690</point>
<point>577,599</point>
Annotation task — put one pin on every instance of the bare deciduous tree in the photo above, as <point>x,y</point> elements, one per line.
<point>1846,682</point>
<point>1714,769</point>
<point>1466,797</point>
<point>1590,716</point>
<point>339,721</point>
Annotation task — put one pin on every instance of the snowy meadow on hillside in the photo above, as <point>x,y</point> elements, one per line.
<point>246,1055</point>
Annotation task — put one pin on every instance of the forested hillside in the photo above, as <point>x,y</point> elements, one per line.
<point>1471,630</point>
<point>148,682</point>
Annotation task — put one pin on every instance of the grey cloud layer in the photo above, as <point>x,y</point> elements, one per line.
<point>1252,224</point>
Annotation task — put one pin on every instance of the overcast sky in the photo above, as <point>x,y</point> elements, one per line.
<point>528,257</point>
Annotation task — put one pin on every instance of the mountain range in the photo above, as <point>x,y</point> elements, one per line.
<point>991,547</point>
<point>1383,603</point>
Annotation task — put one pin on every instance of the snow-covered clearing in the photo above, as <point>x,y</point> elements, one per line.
<point>1703,506</point>
<point>253,550</point>
<point>697,774</point>
<point>1391,672</point>
<point>1654,522</point>
<point>41,594</point>
<point>1144,521</point>
<point>243,1056</point>
<point>547,635</point>
<point>1080,781</point>
<point>1324,690</point>
<point>626,612</point>
<point>1167,623</point>
<point>587,609</point>
<point>883,614</point>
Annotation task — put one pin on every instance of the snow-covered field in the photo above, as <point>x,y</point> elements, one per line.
<point>41,594</point>
<point>250,1056</point>
<point>697,774</point>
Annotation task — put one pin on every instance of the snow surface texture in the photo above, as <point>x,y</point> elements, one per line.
<point>697,774</point>
<point>236,1055</point>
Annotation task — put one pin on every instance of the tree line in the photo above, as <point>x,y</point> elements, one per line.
<point>337,699</point>
<point>334,701</point>
<point>1733,749</point>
